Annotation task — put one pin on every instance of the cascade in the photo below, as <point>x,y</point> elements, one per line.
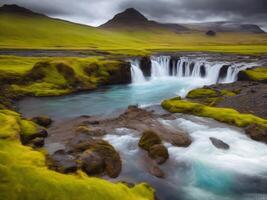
<point>211,71</point>
<point>136,73</point>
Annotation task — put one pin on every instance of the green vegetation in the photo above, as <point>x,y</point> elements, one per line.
<point>24,175</point>
<point>208,96</point>
<point>256,74</point>
<point>226,115</point>
<point>58,76</point>
<point>47,33</point>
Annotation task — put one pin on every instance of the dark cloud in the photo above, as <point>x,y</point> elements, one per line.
<point>98,11</point>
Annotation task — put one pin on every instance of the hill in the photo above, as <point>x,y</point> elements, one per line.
<point>24,29</point>
<point>133,19</point>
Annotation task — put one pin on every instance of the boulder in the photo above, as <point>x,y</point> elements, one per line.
<point>219,143</point>
<point>44,121</point>
<point>62,162</point>
<point>159,153</point>
<point>257,132</point>
<point>148,139</point>
<point>95,148</point>
<point>180,140</point>
<point>156,171</point>
<point>92,163</point>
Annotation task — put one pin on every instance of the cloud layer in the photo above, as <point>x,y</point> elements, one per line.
<point>97,12</point>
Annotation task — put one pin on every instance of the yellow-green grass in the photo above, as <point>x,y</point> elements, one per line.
<point>24,175</point>
<point>54,83</point>
<point>257,74</point>
<point>226,115</point>
<point>18,31</point>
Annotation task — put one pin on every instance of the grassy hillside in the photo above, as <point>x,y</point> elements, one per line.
<point>23,31</point>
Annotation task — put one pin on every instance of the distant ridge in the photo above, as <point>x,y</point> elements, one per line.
<point>133,19</point>
<point>15,9</point>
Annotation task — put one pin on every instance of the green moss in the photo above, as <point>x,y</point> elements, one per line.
<point>201,93</point>
<point>228,93</point>
<point>24,175</point>
<point>257,74</point>
<point>28,127</point>
<point>225,115</point>
<point>148,139</point>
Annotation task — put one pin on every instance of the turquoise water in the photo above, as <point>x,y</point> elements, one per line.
<point>108,99</point>
<point>199,172</point>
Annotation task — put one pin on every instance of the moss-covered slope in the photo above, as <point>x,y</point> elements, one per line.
<point>24,175</point>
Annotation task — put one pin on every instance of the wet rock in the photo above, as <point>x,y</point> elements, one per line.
<point>44,121</point>
<point>62,162</point>
<point>219,143</point>
<point>180,140</point>
<point>257,132</point>
<point>243,76</point>
<point>145,66</point>
<point>159,153</point>
<point>92,163</point>
<point>148,139</point>
<point>156,171</point>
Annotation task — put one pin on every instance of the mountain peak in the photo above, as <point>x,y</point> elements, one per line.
<point>130,16</point>
<point>13,8</point>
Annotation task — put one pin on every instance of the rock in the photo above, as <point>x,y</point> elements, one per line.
<point>211,33</point>
<point>26,139</point>
<point>181,140</point>
<point>92,163</point>
<point>159,153</point>
<point>145,66</point>
<point>104,150</point>
<point>257,132</point>
<point>219,143</point>
<point>37,143</point>
<point>157,172</point>
<point>44,121</point>
<point>62,162</point>
<point>223,72</point>
<point>243,76</point>
<point>148,139</point>
<point>92,131</point>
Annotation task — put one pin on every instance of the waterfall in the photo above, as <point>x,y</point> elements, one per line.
<point>210,71</point>
<point>160,66</point>
<point>136,73</point>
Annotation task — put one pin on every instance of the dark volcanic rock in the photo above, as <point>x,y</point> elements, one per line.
<point>37,142</point>
<point>180,140</point>
<point>44,121</point>
<point>156,171</point>
<point>256,132</point>
<point>62,162</point>
<point>219,143</point>
<point>145,66</point>
<point>223,71</point>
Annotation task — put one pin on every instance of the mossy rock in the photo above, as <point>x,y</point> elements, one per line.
<point>148,139</point>
<point>255,74</point>
<point>44,121</point>
<point>159,153</point>
<point>201,93</point>
<point>225,115</point>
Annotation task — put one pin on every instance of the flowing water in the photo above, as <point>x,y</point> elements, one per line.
<point>199,172</point>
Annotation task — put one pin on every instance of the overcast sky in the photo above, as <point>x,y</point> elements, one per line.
<point>96,12</point>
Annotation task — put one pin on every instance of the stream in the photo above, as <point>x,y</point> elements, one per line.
<point>198,172</point>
